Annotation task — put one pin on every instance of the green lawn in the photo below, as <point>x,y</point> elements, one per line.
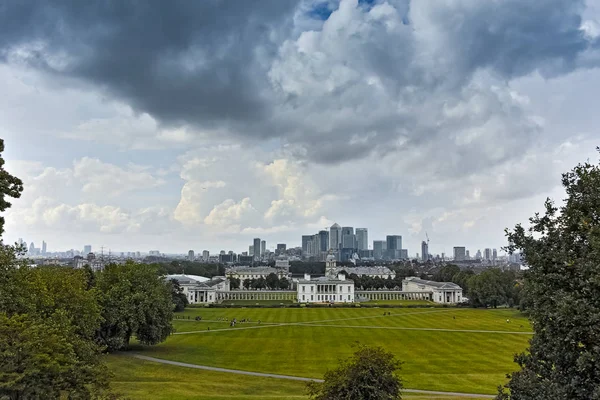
<point>257,302</point>
<point>307,342</point>
<point>141,380</point>
<point>398,303</point>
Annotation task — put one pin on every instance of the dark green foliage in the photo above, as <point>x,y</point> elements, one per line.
<point>234,283</point>
<point>370,373</point>
<point>179,298</point>
<point>135,300</point>
<point>10,186</point>
<point>562,249</point>
<point>493,288</point>
<point>190,268</point>
<point>462,279</point>
<point>48,318</point>
<point>446,273</point>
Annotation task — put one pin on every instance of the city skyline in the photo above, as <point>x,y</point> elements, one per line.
<point>201,141</point>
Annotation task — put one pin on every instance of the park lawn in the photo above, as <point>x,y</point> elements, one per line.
<point>433,360</point>
<point>139,380</point>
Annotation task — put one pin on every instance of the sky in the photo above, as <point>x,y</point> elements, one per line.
<point>198,125</point>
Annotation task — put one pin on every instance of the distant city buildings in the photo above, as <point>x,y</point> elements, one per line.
<point>394,246</point>
<point>487,254</point>
<point>281,248</point>
<point>335,237</point>
<point>87,249</point>
<point>256,249</point>
<point>191,255</point>
<point>460,254</point>
<point>424,251</point>
<point>205,255</point>
<point>263,247</point>
<point>379,249</point>
<point>362,238</point>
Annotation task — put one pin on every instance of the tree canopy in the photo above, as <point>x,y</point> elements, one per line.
<point>562,249</point>
<point>10,186</point>
<point>370,373</point>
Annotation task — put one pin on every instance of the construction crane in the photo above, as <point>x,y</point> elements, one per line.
<point>427,236</point>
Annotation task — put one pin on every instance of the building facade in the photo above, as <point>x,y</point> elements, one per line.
<point>460,254</point>
<point>325,290</point>
<point>441,292</point>
<point>335,237</point>
<point>362,238</point>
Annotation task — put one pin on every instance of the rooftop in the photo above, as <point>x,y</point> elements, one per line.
<point>439,285</point>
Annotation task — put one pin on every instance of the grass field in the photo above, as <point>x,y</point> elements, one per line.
<point>459,350</point>
<point>257,302</point>
<point>398,302</point>
<point>141,380</point>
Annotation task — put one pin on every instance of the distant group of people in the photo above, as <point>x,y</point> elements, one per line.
<point>387,313</point>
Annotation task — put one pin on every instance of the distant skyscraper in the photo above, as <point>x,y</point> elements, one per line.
<point>205,255</point>
<point>424,251</point>
<point>487,254</point>
<point>263,247</point>
<point>494,255</point>
<point>43,248</point>
<point>478,255</point>
<point>256,249</point>
<point>362,238</point>
<point>281,247</point>
<point>31,249</point>
<point>191,255</point>
<point>251,250</point>
<point>323,241</point>
<point>468,256</point>
<point>335,237</point>
<point>404,254</point>
<point>87,249</point>
<point>379,248</point>
<point>305,241</point>
<point>459,254</point>
<point>348,238</point>
<point>394,245</point>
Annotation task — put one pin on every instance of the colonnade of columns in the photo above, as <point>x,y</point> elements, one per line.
<point>257,295</point>
<point>392,295</point>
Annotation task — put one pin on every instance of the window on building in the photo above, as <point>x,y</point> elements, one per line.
<point>312,289</point>
<point>302,297</point>
<point>348,297</point>
<point>311,297</point>
<point>440,297</point>
<point>303,289</point>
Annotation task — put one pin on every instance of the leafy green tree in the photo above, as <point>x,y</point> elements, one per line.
<point>247,283</point>
<point>446,273</point>
<point>284,283</point>
<point>370,373</point>
<point>492,288</point>
<point>179,298</point>
<point>562,249</point>
<point>234,283</point>
<point>462,280</point>
<point>272,281</point>
<point>136,301</point>
<point>10,186</point>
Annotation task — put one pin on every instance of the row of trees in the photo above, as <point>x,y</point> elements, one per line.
<point>271,282</point>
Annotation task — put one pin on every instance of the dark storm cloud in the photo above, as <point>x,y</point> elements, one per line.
<point>181,61</point>
<point>226,64</point>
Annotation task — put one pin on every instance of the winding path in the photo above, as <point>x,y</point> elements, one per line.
<point>294,378</point>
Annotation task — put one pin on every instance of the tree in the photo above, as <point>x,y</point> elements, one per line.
<point>247,283</point>
<point>10,186</point>
<point>562,249</point>
<point>370,373</point>
<point>284,283</point>
<point>136,301</point>
<point>234,283</point>
<point>272,281</point>
<point>179,298</point>
<point>462,279</point>
<point>446,273</point>
<point>492,288</point>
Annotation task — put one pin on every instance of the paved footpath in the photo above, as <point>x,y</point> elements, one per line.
<point>295,378</point>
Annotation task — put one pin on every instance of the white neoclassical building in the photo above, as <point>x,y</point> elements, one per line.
<point>325,290</point>
<point>245,272</point>
<point>441,292</point>
<point>199,289</point>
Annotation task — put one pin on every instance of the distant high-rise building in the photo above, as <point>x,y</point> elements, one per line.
<point>487,254</point>
<point>31,249</point>
<point>478,255</point>
<point>205,255</point>
<point>494,255</point>
<point>323,241</point>
<point>348,238</point>
<point>191,255</point>
<point>305,240</point>
<point>87,249</point>
<point>263,247</point>
<point>468,256</point>
<point>256,249</point>
<point>379,248</point>
<point>43,248</point>
<point>221,252</point>
<point>362,238</point>
<point>459,254</point>
<point>424,251</point>
<point>251,250</point>
<point>394,245</point>
<point>404,254</point>
<point>335,236</point>
<point>281,247</point>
